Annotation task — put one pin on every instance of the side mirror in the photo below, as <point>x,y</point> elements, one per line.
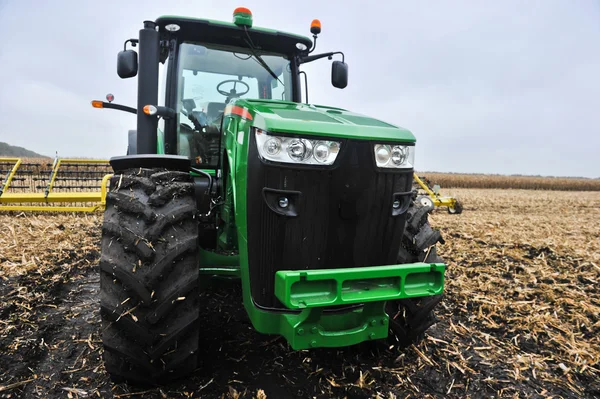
<point>127,64</point>
<point>339,74</point>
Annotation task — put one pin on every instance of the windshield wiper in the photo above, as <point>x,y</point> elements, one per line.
<point>259,58</point>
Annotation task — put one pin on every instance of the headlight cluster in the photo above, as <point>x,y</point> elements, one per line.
<point>296,150</point>
<point>394,156</point>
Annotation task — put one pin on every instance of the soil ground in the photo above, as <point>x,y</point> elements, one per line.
<point>520,317</point>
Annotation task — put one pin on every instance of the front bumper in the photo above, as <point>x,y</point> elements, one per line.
<point>313,290</point>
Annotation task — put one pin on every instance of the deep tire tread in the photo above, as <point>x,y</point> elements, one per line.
<point>161,309</point>
<point>149,277</point>
<point>119,271</point>
<point>131,243</point>
<point>168,191</point>
<point>174,216</point>
<point>410,318</point>
<point>129,204</point>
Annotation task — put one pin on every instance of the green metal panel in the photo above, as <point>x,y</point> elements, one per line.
<point>346,286</point>
<point>311,327</point>
<point>160,142</point>
<point>211,258</point>
<point>211,172</point>
<point>314,329</point>
<point>311,290</point>
<point>288,117</point>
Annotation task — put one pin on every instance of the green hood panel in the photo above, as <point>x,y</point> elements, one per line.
<point>288,117</point>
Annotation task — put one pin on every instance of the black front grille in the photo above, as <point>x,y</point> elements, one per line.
<point>344,217</point>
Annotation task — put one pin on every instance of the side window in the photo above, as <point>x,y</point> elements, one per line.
<point>201,108</point>
<point>278,90</point>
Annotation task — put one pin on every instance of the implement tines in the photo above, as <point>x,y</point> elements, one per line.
<point>68,185</point>
<point>80,176</point>
<point>22,180</point>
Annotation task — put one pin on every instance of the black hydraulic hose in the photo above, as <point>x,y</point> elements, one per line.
<point>210,179</point>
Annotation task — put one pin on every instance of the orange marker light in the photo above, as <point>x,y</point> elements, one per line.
<point>315,27</point>
<point>242,10</point>
<point>242,16</point>
<point>97,104</point>
<point>150,109</point>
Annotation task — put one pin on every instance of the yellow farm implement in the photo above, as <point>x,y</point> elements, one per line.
<point>65,185</point>
<point>432,196</point>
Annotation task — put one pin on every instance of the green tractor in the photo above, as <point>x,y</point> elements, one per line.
<point>229,173</point>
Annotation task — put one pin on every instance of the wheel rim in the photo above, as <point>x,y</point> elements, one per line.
<point>426,201</point>
<point>456,209</point>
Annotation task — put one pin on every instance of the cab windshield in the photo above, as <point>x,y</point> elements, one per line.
<point>211,76</point>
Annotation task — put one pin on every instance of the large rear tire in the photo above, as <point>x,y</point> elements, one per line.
<point>410,318</point>
<point>149,293</point>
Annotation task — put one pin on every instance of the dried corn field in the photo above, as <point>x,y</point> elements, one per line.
<point>457,180</point>
<point>520,317</point>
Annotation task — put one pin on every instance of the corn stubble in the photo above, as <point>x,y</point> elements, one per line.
<point>520,316</point>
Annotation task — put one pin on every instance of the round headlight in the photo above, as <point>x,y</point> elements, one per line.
<point>334,147</point>
<point>298,150</point>
<point>382,154</point>
<point>321,151</point>
<point>272,146</point>
<point>399,154</point>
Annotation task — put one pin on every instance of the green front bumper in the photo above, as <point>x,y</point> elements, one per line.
<point>313,290</point>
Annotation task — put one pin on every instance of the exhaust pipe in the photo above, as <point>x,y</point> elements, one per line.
<point>147,88</point>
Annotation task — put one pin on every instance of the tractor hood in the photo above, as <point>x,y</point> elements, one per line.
<point>309,119</point>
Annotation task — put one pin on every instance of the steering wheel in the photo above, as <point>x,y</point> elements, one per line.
<point>232,93</point>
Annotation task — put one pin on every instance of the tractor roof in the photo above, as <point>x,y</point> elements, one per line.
<point>230,34</point>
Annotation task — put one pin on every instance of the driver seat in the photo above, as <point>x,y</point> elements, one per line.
<point>214,111</point>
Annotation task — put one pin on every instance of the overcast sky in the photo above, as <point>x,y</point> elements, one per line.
<point>510,87</point>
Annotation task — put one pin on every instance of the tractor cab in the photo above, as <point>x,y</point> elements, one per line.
<point>204,67</point>
<point>210,76</point>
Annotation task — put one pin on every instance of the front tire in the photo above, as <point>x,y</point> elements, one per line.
<point>149,279</point>
<point>411,317</point>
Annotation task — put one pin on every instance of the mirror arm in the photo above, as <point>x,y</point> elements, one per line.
<point>134,43</point>
<point>310,58</point>
<point>339,52</point>
<point>118,107</point>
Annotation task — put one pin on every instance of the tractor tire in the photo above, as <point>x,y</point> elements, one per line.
<point>411,317</point>
<point>456,209</point>
<point>149,278</point>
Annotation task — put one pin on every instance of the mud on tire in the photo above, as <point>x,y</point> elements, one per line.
<point>410,318</point>
<point>149,277</point>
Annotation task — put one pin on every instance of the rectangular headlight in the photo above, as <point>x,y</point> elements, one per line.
<point>298,150</point>
<point>394,156</point>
